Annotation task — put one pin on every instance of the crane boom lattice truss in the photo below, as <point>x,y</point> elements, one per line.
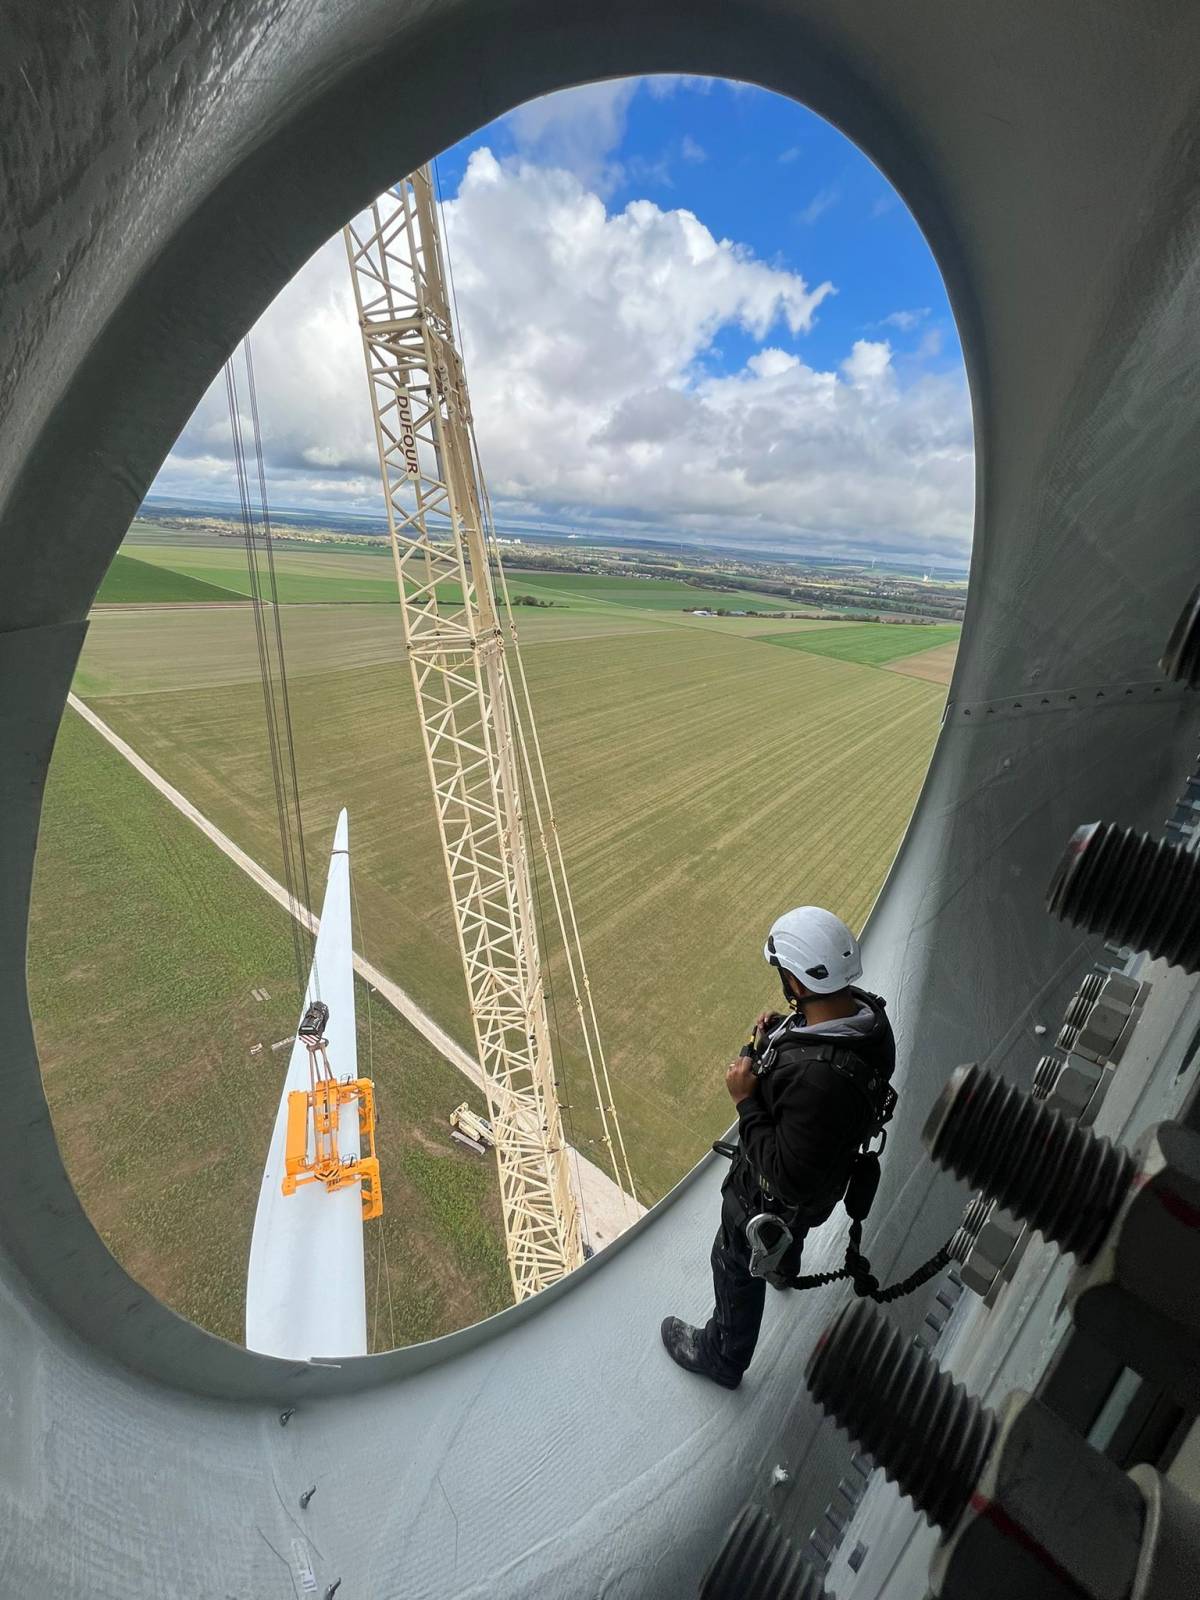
<point>456,652</point>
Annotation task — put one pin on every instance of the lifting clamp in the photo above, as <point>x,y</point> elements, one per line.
<point>319,1109</point>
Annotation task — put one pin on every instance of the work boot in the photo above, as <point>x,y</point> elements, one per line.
<point>683,1345</point>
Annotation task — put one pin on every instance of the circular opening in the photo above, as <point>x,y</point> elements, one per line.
<point>721,409</point>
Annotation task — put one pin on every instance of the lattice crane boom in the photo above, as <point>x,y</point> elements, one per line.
<point>456,652</point>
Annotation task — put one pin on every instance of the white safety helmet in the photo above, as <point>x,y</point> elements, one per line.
<point>816,947</point>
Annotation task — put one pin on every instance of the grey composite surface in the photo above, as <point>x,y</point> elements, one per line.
<point>167,167</point>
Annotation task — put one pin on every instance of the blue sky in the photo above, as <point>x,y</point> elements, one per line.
<point>689,309</point>
<point>764,171</point>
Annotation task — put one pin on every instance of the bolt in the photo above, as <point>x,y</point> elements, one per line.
<point>1038,1163</point>
<point>286,1416</point>
<point>1067,1036</point>
<point>1139,891</point>
<point>1181,659</point>
<point>1045,1076</point>
<point>1023,1504</point>
<point>1084,999</point>
<point>973,1218</point>
<point>306,1497</point>
<point>757,1562</point>
<point>929,1436</point>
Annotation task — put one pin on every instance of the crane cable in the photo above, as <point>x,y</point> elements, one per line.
<point>527,735</point>
<point>257,537</point>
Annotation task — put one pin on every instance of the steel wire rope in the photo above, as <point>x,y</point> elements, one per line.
<point>264,667</point>
<point>572,943</point>
<point>560,1055</point>
<point>605,1102</point>
<point>284,695</point>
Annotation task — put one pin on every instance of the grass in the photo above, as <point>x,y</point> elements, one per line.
<point>870,644</point>
<point>145,944</point>
<point>130,581</point>
<point>691,813</point>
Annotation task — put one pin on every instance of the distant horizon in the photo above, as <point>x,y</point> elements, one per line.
<point>543,533</point>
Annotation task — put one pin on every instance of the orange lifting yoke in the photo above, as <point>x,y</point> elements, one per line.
<point>320,1107</point>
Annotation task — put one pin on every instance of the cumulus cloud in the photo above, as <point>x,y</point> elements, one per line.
<point>576,129</point>
<point>590,338</point>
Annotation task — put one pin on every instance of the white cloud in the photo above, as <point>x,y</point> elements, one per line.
<point>589,338</point>
<point>691,151</point>
<point>792,153</point>
<point>906,321</point>
<point>664,84</point>
<point>577,129</point>
<point>930,346</point>
<point>869,363</point>
<point>823,201</point>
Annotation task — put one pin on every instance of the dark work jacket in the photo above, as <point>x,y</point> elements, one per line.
<point>799,1131</point>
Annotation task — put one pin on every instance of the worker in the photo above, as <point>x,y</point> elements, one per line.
<point>808,1091</point>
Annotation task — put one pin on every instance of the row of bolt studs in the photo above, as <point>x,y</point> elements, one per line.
<point>922,1428</point>
<point>930,1437</point>
<point>1096,886</point>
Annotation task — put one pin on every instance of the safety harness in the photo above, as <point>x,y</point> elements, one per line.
<point>768,1234</point>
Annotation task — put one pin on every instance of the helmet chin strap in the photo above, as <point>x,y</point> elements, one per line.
<point>793,1001</point>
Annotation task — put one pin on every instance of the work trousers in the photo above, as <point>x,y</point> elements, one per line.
<point>731,1333</point>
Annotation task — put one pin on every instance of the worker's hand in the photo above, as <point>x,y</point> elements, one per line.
<point>767,1021</point>
<point>740,1080</point>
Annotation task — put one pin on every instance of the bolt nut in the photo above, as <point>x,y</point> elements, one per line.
<point>1075,1089</point>
<point>1008,1271</point>
<point>1049,1517</point>
<point>984,1267</point>
<point>1138,1294</point>
<point>1106,1032</point>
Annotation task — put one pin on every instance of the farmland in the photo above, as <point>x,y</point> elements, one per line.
<point>145,946</point>
<point>310,577</point>
<point>690,814</point>
<point>869,643</point>
<point>682,800</point>
<point>132,582</point>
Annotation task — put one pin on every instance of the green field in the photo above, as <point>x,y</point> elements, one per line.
<point>132,582</point>
<point>689,811</point>
<point>869,643</point>
<point>334,577</point>
<point>145,945</point>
